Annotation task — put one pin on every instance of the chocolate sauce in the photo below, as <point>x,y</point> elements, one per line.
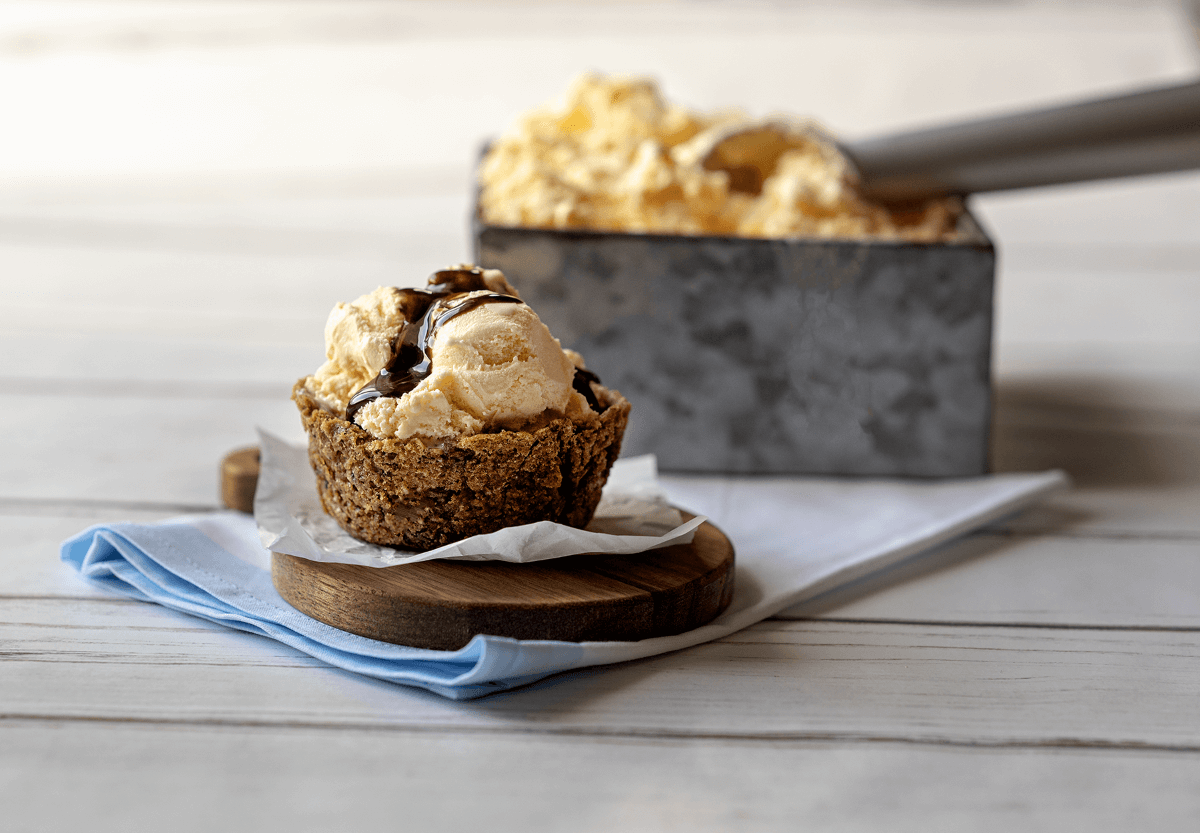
<point>425,311</point>
<point>581,383</point>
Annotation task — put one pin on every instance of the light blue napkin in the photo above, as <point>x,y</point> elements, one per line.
<point>794,538</point>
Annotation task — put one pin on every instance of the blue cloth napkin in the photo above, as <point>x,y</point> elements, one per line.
<point>794,538</point>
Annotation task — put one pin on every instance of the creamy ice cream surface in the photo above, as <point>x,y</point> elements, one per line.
<point>619,157</point>
<point>476,359</point>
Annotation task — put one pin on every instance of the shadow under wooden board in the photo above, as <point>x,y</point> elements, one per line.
<point>443,604</point>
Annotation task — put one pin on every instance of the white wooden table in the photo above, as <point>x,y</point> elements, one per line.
<point>185,189</point>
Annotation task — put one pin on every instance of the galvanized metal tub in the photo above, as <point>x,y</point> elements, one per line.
<point>804,356</point>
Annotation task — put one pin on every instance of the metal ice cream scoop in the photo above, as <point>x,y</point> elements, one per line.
<point>1154,131</point>
<point>1148,132</point>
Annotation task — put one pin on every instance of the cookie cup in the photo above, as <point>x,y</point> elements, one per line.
<point>405,494</point>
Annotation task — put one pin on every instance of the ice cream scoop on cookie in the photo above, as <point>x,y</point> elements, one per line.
<point>451,410</point>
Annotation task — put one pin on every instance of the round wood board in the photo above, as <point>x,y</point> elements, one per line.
<point>442,604</point>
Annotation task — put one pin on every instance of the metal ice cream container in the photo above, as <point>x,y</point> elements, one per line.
<point>772,356</point>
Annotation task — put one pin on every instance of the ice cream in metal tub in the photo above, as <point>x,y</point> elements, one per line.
<point>760,314</point>
<point>792,352</point>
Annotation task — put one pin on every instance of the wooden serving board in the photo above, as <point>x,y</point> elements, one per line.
<point>443,604</point>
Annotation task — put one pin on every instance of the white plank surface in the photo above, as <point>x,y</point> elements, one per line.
<point>270,778</point>
<point>789,680</point>
<point>212,177</point>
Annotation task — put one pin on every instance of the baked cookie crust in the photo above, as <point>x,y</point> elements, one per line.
<point>405,494</point>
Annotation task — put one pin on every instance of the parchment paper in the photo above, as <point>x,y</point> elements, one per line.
<point>633,516</point>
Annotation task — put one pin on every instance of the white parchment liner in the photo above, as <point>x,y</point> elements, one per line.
<point>633,516</point>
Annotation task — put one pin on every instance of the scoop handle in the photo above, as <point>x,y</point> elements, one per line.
<point>1153,131</point>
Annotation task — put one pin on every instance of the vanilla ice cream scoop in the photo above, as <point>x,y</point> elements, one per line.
<point>462,356</point>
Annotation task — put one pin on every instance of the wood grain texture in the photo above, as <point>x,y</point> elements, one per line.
<point>1000,686</point>
<point>239,478</point>
<point>116,777</point>
<point>443,604</point>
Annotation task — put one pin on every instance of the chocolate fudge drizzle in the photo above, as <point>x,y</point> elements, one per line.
<point>425,312</point>
<point>582,383</point>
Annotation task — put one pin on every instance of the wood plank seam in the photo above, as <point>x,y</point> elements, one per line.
<point>1087,534</point>
<point>23,505</point>
<point>629,734</point>
<point>118,388</point>
<point>967,623</point>
<point>74,600</point>
<point>182,237</point>
<point>772,624</point>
